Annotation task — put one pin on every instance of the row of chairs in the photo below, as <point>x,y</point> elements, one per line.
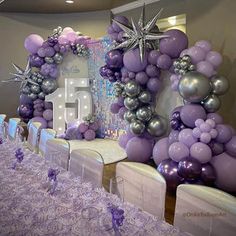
<point>199,210</point>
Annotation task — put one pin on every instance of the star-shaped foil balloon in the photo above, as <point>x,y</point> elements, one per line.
<point>22,76</point>
<point>141,34</point>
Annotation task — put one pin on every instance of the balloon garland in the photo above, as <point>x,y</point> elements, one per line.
<point>200,148</point>
<point>44,58</point>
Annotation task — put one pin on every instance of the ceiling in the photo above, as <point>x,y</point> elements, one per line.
<point>58,6</point>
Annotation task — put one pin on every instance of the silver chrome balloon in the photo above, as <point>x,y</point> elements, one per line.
<point>49,85</point>
<point>144,114</point>
<point>186,58</point>
<point>41,95</point>
<point>33,96</point>
<point>211,103</point>
<point>35,88</point>
<point>220,85</point>
<point>129,116</point>
<point>26,90</point>
<point>145,97</point>
<point>194,87</point>
<point>58,58</point>
<point>132,89</point>
<point>137,127</point>
<point>49,60</point>
<point>131,103</point>
<point>157,126</point>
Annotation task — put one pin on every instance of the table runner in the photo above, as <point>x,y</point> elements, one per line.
<point>75,208</point>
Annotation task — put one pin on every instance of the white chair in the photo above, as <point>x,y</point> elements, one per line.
<point>33,136</point>
<point>45,135</point>
<point>202,210</point>
<point>87,164</point>
<point>58,151</point>
<point>142,186</point>
<point>13,128</point>
<point>2,124</point>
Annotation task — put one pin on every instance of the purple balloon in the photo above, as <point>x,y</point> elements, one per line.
<point>173,136</point>
<point>89,135</point>
<point>141,78</point>
<point>120,19</point>
<point>189,168</point>
<point>25,111</point>
<point>190,113</point>
<point>204,45</point>
<point>48,105</point>
<point>114,59</point>
<point>197,54</point>
<point>224,133</point>
<point>132,60</point>
<point>41,120</point>
<point>154,85</point>
<point>110,30</point>
<point>205,68</point>
<point>114,36</point>
<point>225,167</point>
<point>41,52</point>
<point>48,114</point>
<point>71,133</point>
<point>121,112</point>
<point>208,174</point>
<point>36,61</point>
<point>160,151</point>
<point>124,139</point>
<point>175,124</point>
<point>169,170</point>
<point>50,124</point>
<point>24,99</point>
<point>201,152</point>
<point>153,56</point>
<point>83,128</point>
<point>216,117</point>
<point>186,137</point>
<point>164,62</point>
<point>230,147</point>
<point>49,52</point>
<point>174,44</point>
<point>139,149</point>
<point>33,42</point>
<point>152,71</point>
<point>38,113</point>
<point>214,58</point>
<point>114,108</point>
<point>216,148</point>
<point>94,126</point>
<point>178,151</point>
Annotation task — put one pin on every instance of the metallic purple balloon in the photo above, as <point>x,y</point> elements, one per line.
<point>103,71</point>
<point>25,111</point>
<point>175,124</point>
<point>114,59</point>
<point>169,170</point>
<point>230,147</point>
<point>208,174</point>
<point>36,61</point>
<point>189,168</point>
<point>24,99</point>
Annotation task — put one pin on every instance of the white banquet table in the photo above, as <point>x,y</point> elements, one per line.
<point>75,208</point>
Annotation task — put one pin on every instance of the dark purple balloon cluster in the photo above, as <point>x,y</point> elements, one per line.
<point>176,122</point>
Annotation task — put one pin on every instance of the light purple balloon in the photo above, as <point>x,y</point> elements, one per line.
<point>216,117</point>
<point>33,42</point>
<point>205,68</point>
<point>230,147</point>
<point>154,85</point>
<point>132,60</point>
<point>120,19</point>
<point>190,113</point>
<point>94,126</point>
<point>152,57</point>
<point>47,105</point>
<point>49,52</point>
<point>225,167</point>
<point>178,151</point>
<point>63,40</point>
<point>197,54</point>
<point>205,137</point>
<point>152,71</point>
<point>160,151</point>
<point>184,52</point>
<point>110,30</point>
<point>89,135</point>
<point>173,136</point>
<point>141,78</point>
<point>186,137</point>
<point>38,113</point>
<point>224,133</point>
<point>174,44</point>
<point>201,152</point>
<point>121,112</point>
<point>41,52</point>
<point>114,108</point>
<point>214,58</point>
<point>124,139</point>
<point>139,149</point>
<point>114,36</point>
<point>205,45</point>
<point>204,127</point>
<point>48,114</point>
<point>83,128</point>
<point>164,62</point>
<point>41,120</point>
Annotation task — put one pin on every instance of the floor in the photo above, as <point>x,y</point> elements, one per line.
<point>109,172</point>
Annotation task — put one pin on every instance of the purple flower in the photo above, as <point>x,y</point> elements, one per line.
<point>19,155</point>
<point>52,174</point>
<point>117,216</point>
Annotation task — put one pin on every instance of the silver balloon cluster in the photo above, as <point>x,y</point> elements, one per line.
<point>57,58</point>
<point>89,119</point>
<point>183,65</point>
<point>82,50</point>
<point>194,87</point>
<point>119,89</point>
<point>140,114</point>
<point>57,31</point>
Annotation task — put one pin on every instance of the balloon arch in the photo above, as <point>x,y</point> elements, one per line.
<point>199,149</point>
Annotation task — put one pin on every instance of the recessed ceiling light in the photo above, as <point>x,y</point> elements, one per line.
<point>69,1</point>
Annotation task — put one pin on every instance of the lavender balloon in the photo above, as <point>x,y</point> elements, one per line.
<point>178,151</point>
<point>160,151</point>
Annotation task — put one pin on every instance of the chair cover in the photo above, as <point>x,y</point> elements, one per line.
<point>58,151</point>
<point>12,128</point>
<point>33,136</point>
<point>88,164</point>
<point>45,135</point>
<point>202,210</point>
<point>142,186</point>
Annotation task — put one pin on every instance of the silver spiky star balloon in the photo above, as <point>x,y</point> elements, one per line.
<point>22,76</point>
<point>141,34</point>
